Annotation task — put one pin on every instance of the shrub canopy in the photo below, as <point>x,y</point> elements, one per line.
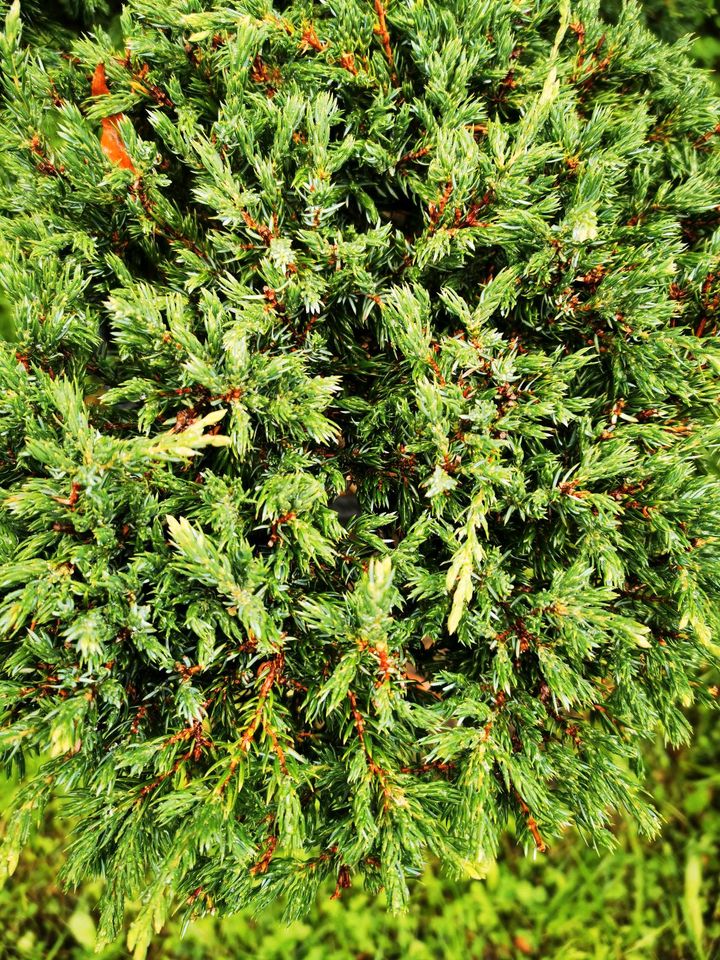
<point>360,391</point>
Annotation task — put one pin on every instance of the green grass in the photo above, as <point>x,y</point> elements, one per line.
<point>659,900</point>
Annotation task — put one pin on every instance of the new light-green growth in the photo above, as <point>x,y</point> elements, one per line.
<point>360,404</point>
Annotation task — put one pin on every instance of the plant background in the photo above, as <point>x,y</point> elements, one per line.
<point>658,901</point>
<point>645,901</point>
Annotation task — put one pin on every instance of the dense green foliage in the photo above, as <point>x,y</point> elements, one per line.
<point>360,385</point>
<point>641,902</point>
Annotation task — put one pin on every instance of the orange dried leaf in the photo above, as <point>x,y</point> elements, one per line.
<point>99,87</point>
<point>113,146</point>
<point>110,140</point>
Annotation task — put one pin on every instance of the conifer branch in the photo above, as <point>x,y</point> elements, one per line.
<point>358,485</point>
